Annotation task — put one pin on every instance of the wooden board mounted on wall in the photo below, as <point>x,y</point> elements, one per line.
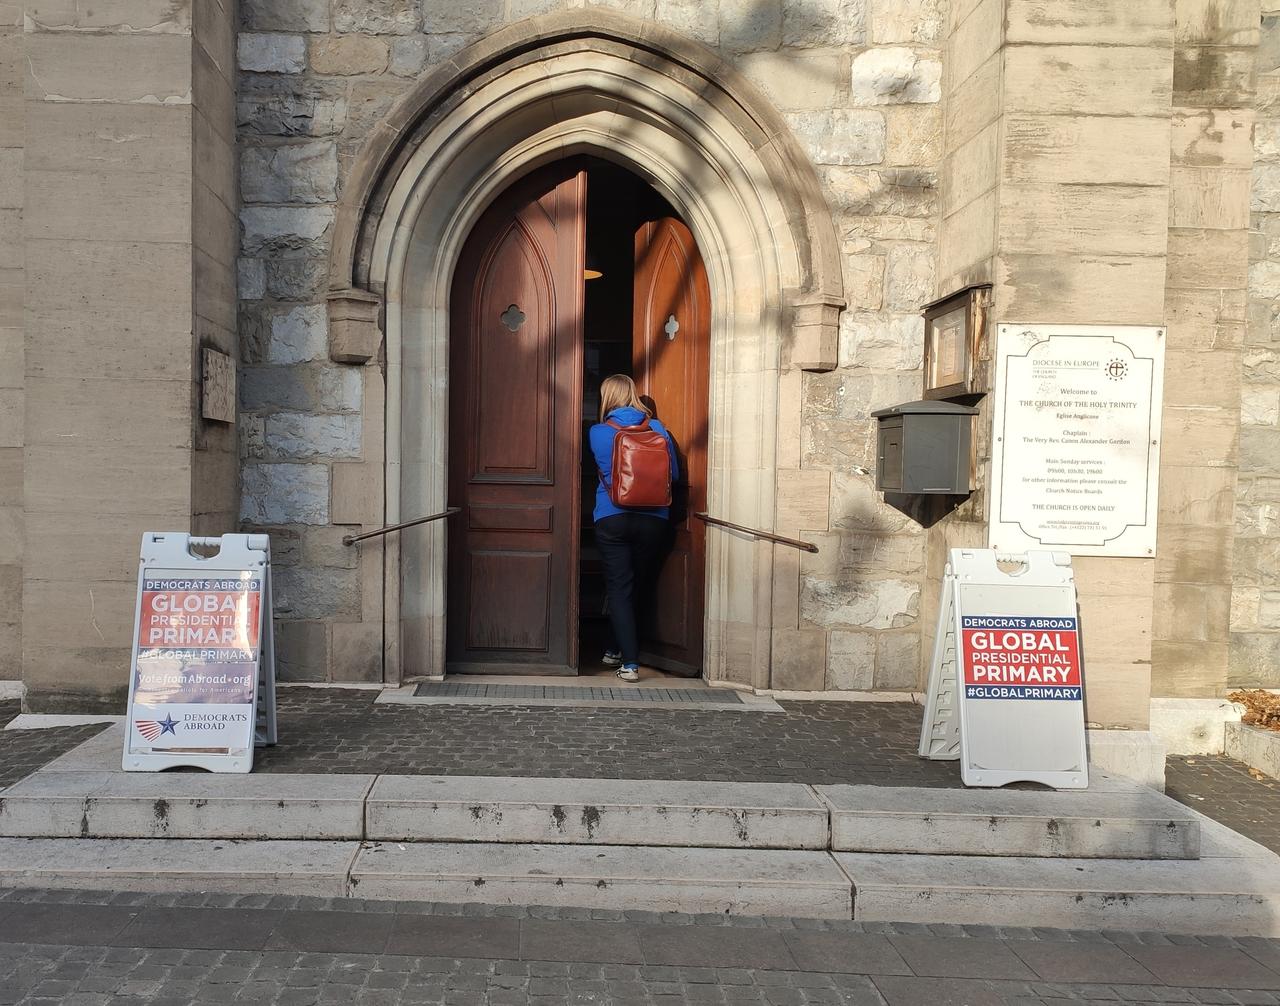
<point>218,387</point>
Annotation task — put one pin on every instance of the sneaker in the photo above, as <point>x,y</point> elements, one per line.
<point>629,672</point>
<point>611,657</point>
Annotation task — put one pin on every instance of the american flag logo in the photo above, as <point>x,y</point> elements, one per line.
<point>149,729</point>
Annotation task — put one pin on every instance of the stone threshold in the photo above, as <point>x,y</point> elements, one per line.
<point>635,697</point>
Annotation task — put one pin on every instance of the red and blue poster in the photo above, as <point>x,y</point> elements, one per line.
<point>1020,657</point>
<point>197,662</point>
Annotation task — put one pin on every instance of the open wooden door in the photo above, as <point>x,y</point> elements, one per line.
<point>515,374</point>
<point>671,351</point>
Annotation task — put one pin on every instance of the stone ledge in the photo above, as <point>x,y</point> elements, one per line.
<point>1193,726</point>
<point>1134,754</point>
<point>732,881</point>
<point>1113,819</point>
<point>1255,747</point>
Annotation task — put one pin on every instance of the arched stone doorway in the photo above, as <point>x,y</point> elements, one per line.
<point>593,83</point>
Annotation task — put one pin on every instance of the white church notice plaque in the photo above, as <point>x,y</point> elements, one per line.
<point>1075,447</point>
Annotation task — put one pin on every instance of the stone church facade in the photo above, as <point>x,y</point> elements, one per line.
<point>289,184</point>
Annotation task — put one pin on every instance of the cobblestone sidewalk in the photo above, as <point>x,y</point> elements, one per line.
<point>24,751</point>
<point>93,949</point>
<point>336,730</point>
<point>1222,788</point>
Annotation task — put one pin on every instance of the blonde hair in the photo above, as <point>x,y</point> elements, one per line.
<point>619,391</point>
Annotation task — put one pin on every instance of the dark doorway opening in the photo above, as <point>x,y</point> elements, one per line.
<point>531,338</point>
<point>651,285</point>
<point>617,203</point>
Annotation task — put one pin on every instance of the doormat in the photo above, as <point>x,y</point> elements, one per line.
<point>578,693</point>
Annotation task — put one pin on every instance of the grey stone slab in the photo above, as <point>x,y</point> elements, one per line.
<point>332,932</point>
<point>1135,824</point>
<point>845,953</point>
<point>70,925</point>
<point>200,928</point>
<point>118,804</point>
<point>100,753</point>
<point>714,947</point>
<point>422,935</point>
<point>733,881</point>
<point>1081,962</point>
<point>901,991</point>
<point>1266,952</point>
<point>595,811</point>
<point>941,957</point>
<point>1229,895</point>
<point>589,942</point>
<point>176,865</point>
<point>1204,967</point>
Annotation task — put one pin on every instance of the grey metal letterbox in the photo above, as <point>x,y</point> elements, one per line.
<point>925,447</point>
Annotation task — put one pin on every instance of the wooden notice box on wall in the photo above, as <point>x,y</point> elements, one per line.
<point>955,349</point>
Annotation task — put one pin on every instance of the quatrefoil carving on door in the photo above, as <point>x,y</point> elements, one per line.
<point>512,317</point>
<point>671,328</point>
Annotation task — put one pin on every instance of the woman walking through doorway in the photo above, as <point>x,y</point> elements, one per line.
<point>632,539</point>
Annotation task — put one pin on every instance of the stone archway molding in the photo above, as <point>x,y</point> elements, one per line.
<point>591,82</point>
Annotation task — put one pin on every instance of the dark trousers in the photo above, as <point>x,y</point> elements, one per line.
<point>632,546</point>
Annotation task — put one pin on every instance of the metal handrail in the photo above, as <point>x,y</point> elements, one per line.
<point>351,539</point>
<point>804,546</point>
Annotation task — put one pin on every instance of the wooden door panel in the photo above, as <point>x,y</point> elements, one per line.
<point>671,612</point>
<point>513,383</point>
<point>522,621</point>
<point>510,517</point>
<point>514,380</point>
<point>671,348</point>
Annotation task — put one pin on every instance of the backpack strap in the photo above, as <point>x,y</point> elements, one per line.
<point>638,426</point>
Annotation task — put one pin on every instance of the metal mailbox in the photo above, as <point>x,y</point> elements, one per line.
<point>925,448</point>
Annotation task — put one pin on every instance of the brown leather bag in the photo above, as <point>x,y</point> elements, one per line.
<point>641,467</point>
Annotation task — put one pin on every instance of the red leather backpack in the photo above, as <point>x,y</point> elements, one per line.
<point>641,467</point>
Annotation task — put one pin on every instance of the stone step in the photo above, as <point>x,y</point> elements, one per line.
<point>1110,822</point>
<point>595,811</point>
<point>185,805</point>
<point>321,869</point>
<point>732,881</point>
<point>1234,889</point>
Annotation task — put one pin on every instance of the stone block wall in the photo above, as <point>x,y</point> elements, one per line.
<point>1207,273</point>
<point>215,468</point>
<point>126,263</point>
<point>12,395</point>
<point>1056,191</point>
<point>859,82</point>
<point>1254,652</point>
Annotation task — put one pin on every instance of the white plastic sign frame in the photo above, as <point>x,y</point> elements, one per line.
<point>1006,685</point>
<point>203,663</point>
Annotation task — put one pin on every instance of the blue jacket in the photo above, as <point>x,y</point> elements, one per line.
<point>601,438</point>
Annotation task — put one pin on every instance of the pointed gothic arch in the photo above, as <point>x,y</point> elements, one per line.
<point>667,108</point>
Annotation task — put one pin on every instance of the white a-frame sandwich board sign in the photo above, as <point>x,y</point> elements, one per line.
<point>202,681</point>
<point>1006,690</point>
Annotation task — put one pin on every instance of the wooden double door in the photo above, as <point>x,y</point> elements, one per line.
<point>515,427</point>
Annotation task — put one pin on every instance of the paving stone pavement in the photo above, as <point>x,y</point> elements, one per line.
<point>336,730</point>
<point>1222,788</point>
<point>24,751</point>
<point>82,948</point>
